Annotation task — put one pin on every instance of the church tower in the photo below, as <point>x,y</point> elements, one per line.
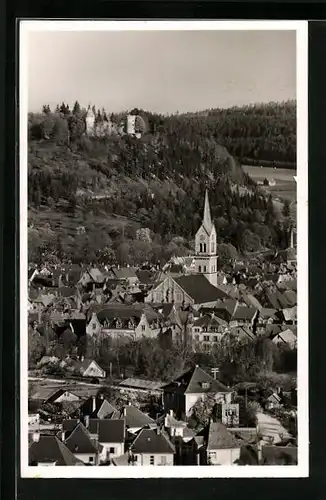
<point>205,246</point>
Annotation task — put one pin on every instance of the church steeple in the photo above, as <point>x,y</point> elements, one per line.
<point>205,246</point>
<point>207,220</point>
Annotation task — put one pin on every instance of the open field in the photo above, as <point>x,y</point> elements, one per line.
<point>285,185</point>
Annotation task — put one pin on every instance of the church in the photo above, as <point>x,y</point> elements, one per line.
<point>200,287</point>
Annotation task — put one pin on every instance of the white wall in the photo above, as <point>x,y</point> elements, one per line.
<point>223,457</point>
<point>144,459</point>
<point>118,450</point>
<point>85,457</point>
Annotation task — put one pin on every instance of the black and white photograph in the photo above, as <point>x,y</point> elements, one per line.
<point>163,249</point>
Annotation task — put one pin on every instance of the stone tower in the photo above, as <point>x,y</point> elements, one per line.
<point>90,121</point>
<point>205,246</point>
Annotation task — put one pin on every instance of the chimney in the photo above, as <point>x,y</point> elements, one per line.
<point>63,435</point>
<point>93,404</point>
<point>125,412</point>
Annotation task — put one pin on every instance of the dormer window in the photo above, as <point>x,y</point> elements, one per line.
<point>205,385</point>
<point>118,323</point>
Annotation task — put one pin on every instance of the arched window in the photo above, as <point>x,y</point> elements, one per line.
<point>199,269</point>
<point>200,247</point>
<point>213,248</point>
<point>204,247</point>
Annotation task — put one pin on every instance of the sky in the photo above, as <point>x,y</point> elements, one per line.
<point>160,71</point>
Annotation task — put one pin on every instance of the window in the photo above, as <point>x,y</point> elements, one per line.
<point>206,338</point>
<point>199,269</point>
<point>213,249</point>
<point>91,459</point>
<point>200,247</point>
<point>204,247</point>
<point>94,326</point>
<point>135,458</point>
<point>151,460</point>
<point>163,460</point>
<point>112,449</point>
<point>215,338</point>
<point>142,328</point>
<point>205,385</point>
<point>204,269</point>
<point>178,296</point>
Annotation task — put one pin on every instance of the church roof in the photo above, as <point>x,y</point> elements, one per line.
<point>207,220</point>
<point>199,288</point>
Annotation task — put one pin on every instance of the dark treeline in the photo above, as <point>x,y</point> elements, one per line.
<point>158,181</point>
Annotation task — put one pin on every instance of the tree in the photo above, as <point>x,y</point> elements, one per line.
<point>286,209</point>
<point>203,409</point>
<point>76,109</point>
<point>68,340</point>
<point>36,347</point>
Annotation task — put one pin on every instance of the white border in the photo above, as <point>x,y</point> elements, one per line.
<point>300,470</point>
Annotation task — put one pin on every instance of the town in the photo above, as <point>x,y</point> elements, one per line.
<point>187,363</point>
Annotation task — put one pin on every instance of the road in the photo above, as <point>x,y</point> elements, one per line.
<point>270,427</point>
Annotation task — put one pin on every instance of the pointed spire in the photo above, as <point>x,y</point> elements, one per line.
<point>207,221</point>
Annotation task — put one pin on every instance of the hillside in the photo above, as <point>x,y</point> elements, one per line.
<point>89,196</point>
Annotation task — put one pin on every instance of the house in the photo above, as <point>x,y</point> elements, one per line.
<point>228,414</point>
<point>141,386</point>
<point>152,447</point>
<point>62,395</point>
<point>181,394</point>
<point>222,447</point>
<point>242,333</point>
<point>273,401</point>
<point>192,289</point>
<point>89,368</point>
<point>49,450</point>
<point>135,419</point>
<point>110,434</point>
<point>286,337</point>
<point>97,407</point>
<point>92,278</point>
<point>207,331</point>
<point>244,316</point>
<point>126,274</point>
<point>81,444</point>
<point>121,321</point>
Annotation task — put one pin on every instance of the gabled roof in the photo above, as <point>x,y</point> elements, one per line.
<point>209,321</point>
<point>219,438</point>
<point>102,408</point>
<point>152,441</point>
<point>125,272</point>
<point>69,424</point>
<point>51,449</point>
<point>135,418</point>
<point>199,288</point>
<point>111,311</point>
<point>108,430</point>
<point>79,441</point>
<point>141,384</point>
<point>191,382</point>
<point>267,313</point>
<point>244,313</point>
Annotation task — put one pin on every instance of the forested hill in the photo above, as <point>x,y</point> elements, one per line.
<point>89,196</point>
